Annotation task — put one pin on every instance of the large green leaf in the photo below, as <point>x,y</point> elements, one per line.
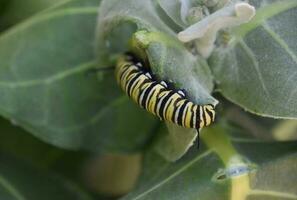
<point>257,69</point>
<point>47,85</point>
<point>19,181</point>
<point>223,169</point>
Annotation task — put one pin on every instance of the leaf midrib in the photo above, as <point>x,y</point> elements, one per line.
<point>56,77</point>
<point>280,41</point>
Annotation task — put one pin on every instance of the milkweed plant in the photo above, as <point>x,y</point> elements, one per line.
<point>68,131</point>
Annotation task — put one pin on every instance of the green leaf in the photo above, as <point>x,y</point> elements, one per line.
<point>223,168</point>
<point>257,69</point>
<point>48,87</point>
<point>21,181</point>
<point>174,142</point>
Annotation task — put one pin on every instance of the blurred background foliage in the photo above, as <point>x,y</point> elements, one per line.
<point>14,11</point>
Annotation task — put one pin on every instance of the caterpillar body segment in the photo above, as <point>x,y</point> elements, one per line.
<point>156,97</point>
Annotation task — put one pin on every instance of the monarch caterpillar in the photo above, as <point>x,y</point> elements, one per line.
<point>158,98</point>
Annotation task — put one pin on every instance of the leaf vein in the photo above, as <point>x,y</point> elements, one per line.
<point>94,119</point>
<point>182,169</point>
<point>252,56</point>
<point>51,79</point>
<point>280,41</point>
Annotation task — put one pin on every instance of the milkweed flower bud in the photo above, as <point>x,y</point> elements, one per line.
<point>205,31</point>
